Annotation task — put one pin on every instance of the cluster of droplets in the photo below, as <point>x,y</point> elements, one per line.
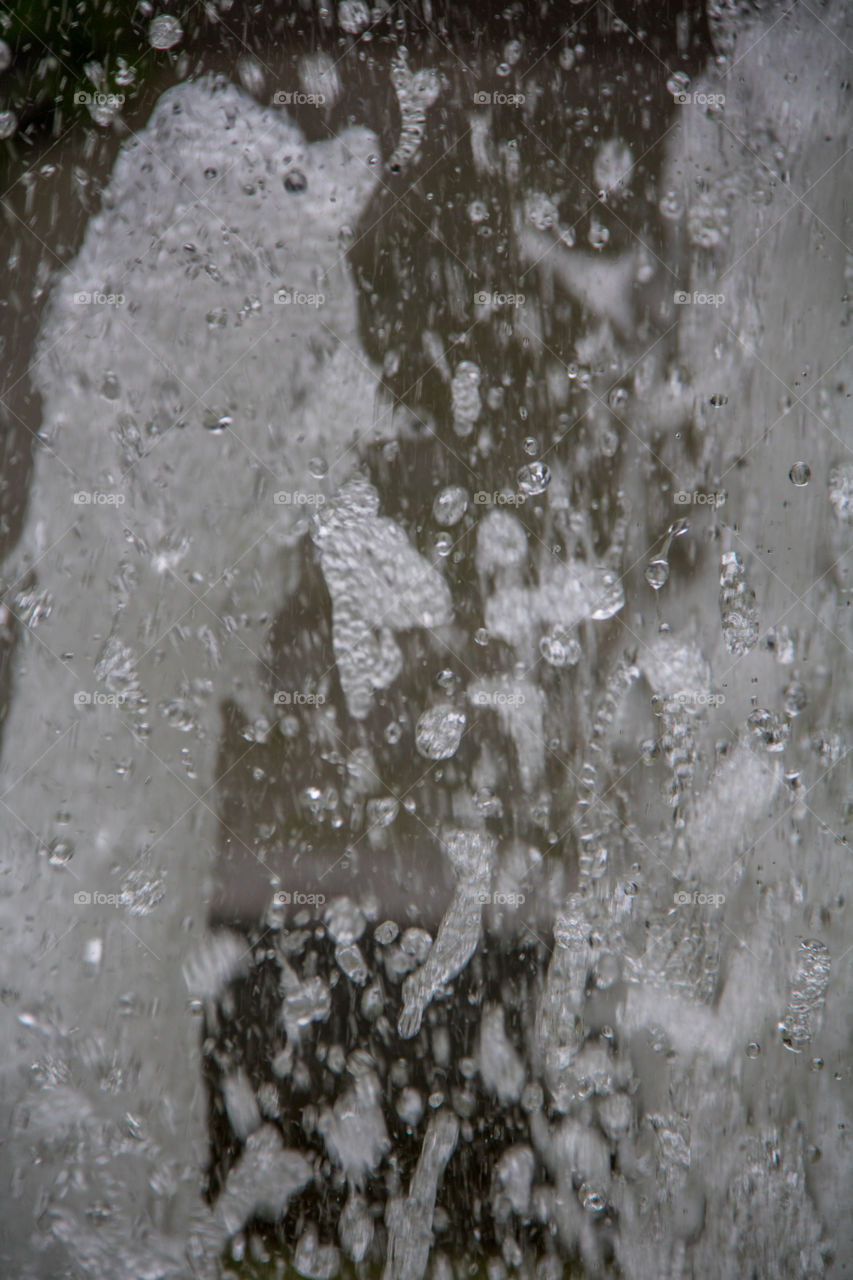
<point>592,835</point>
<point>808,992</point>
<point>738,612</point>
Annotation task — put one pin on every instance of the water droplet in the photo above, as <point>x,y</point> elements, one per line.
<point>443,545</point>
<point>439,731</point>
<point>386,932</point>
<point>796,699</point>
<point>8,123</point>
<point>718,400</point>
<point>657,574</point>
<point>110,387</point>
<point>531,446</point>
<point>800,474</point>
<point>591,1198</point>
<point>481,636</point>
<point>393,733</point>
<point>560,648</point>
<point>164,32</point>
<point>60,852</point>
<point>450,506</point>
<point>5,55</point>
<point>753,1050</point>
<point>295,182</point>
<point>319,468</point>
<point>478,211</point>
<point>533,478</point>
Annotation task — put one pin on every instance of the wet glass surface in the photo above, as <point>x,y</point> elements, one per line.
<point>426,484</point>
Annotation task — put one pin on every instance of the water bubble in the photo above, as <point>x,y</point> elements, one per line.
<point>800,474</point>
<point>443,545</point>
<point>295,182</point>
<point>598,235</point>
<point>386,932</point>
<point>478,211</point>
<point>753,1050</point>
<point>481,636</point>
<point>769,728</point>
<point>60,852</point>
<point>110,387</point>
<point>8,123</point>
<point>164,32</point>
<point>718,400</point>
<point>533,478</point>
<point>319,468</point>
<point>591,1198</point>
<point>531,447</point>
<point>678,82</point>
<point>393,733</point>
<point>796,699</point>
<point>439,731</point>
<point>657,574</point>
<point>560,648</point>
<point>450,506</point>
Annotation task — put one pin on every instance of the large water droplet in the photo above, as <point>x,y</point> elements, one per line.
<point>800,474</point>
<point>439,731</point>
<point>450,506</point>
<point>533,478</point>
<point>164,32</point>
